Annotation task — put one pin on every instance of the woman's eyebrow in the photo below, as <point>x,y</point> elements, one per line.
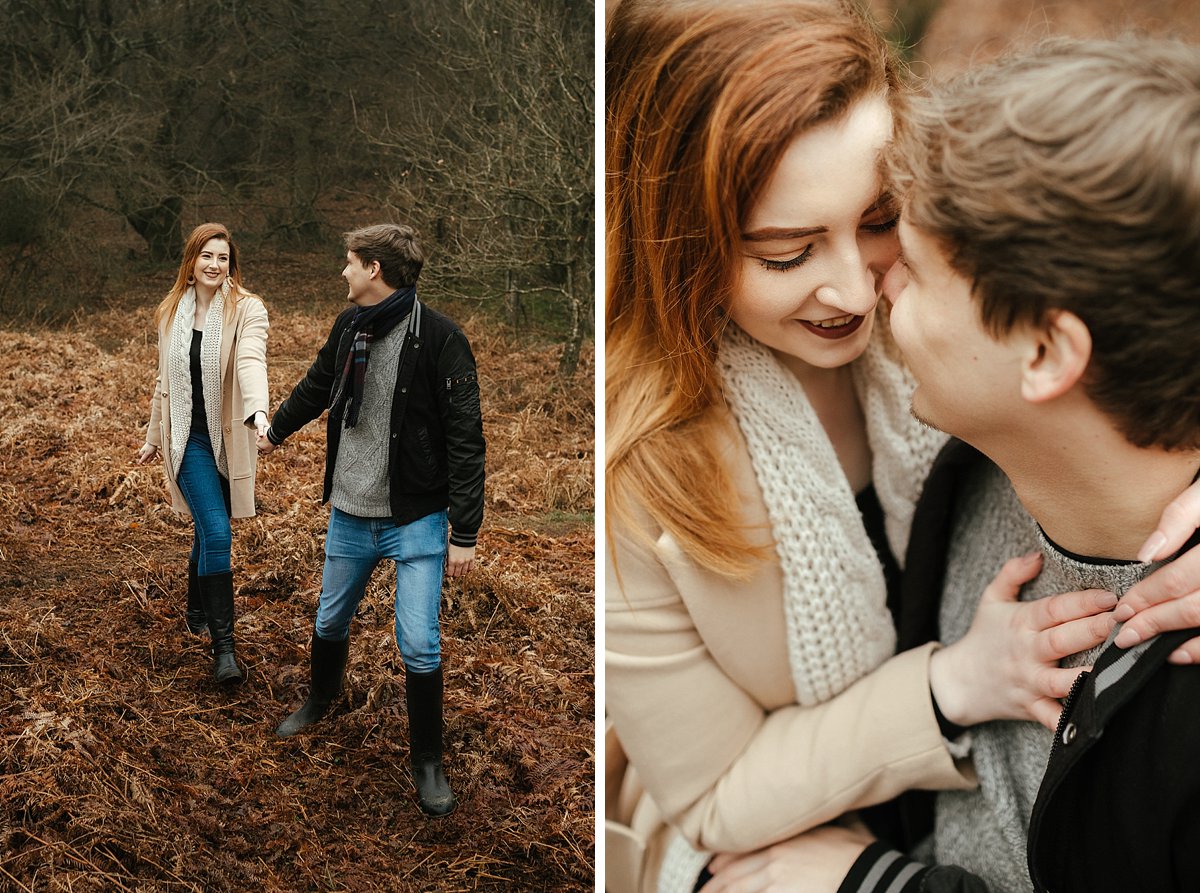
<point>781,233</point>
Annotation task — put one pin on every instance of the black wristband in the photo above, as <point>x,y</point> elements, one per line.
<point>950,730</point>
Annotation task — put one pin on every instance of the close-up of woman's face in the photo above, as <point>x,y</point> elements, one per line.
<point>212,265</point>
<point>817,243</point>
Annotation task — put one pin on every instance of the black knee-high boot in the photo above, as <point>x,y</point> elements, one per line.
<point>197,623</point>
<point>423,691</point>
<point>327,664</point>
<point>216,594</point>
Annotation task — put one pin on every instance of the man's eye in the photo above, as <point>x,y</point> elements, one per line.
<point>882,227</point>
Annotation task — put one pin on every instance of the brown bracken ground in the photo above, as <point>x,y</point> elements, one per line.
<point>123,767</point>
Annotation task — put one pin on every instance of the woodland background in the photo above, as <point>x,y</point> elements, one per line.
<point>122,126</point>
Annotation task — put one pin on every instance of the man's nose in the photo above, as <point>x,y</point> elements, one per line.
<point>895,281</point>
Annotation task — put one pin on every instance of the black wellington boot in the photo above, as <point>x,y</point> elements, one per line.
<point>197,623</point>
<point>326,667</point>
<point>216,594</point>
<point>424,694</point>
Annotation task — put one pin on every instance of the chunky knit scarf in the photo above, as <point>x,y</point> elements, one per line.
<point>179,371</point>
<point>838,624</point>
<point>368,324</point>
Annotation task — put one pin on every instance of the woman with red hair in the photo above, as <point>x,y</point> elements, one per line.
<point>210,402</point>
<point>762,465</point>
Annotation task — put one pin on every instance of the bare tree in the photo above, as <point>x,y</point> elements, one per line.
<point>496,143</point>
<point>479,115</point>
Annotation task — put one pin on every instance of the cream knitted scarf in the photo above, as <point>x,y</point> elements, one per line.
<point>179,371</point>
<point>838,625</point>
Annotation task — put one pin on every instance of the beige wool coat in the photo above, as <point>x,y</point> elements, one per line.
<point>243,393</point>
<point>705,734</point>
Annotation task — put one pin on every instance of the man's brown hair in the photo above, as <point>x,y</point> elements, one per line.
<point>395,246</point>
<point>1069,178</point>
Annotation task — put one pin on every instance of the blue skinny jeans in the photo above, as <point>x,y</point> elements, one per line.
<point>206,492</point>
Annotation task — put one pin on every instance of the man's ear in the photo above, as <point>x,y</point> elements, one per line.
<point>1056,356</point>
<point>374,269</point>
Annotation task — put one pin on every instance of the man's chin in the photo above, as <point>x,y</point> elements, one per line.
<point>924,418</point>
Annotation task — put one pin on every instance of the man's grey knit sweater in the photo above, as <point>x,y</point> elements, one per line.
<point>984,830</point>
<point>360,476</point>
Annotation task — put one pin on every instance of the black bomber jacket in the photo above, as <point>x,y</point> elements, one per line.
<point>436,453</point>
<point>1118,809</point>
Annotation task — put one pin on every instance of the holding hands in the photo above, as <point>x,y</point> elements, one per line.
<point>261,426</point>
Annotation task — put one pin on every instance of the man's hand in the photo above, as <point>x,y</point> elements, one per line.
<point>1169,598</point>
<point>459,560</point>
<point>264,444</point>
<point>1006,666</point>
<point>815,862</point>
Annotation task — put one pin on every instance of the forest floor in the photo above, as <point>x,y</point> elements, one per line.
<point>124,767</point>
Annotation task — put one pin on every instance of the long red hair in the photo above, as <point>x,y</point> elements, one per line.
<point>191,251</point>
<point>703,98</point>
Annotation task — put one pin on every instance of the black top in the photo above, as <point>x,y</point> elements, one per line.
<point>199,416</point>
<point>872,515</point>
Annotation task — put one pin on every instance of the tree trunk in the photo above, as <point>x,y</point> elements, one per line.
<point>514,308</point>
<point>159,225</point>
<point>568,363</point>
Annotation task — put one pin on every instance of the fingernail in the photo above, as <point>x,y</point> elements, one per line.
<point>1127,638</point>
<point>1180,657</point>
<point>1108,599</point>
<point>1123,612</point>
<point>1150,551</point>
<point>1034,556</point>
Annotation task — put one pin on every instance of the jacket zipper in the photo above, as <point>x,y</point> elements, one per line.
<point>1063,717</point>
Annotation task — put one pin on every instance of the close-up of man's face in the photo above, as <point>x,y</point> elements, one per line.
<point>963,374</point>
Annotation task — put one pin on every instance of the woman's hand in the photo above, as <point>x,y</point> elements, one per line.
<point>261,441</point>
<point>815,862</point>
<point>1170,597</point>
<point>147,453</point>
<point>1006,666</point>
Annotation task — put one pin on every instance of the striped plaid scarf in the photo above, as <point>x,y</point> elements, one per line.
<point>368,324</point>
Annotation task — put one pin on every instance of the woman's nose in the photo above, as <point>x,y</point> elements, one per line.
<point>853,287</point>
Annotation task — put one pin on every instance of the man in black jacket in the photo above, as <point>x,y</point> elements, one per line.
<point>404,473</point>
<point>1048,304</point>
<point>1049,307</point>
